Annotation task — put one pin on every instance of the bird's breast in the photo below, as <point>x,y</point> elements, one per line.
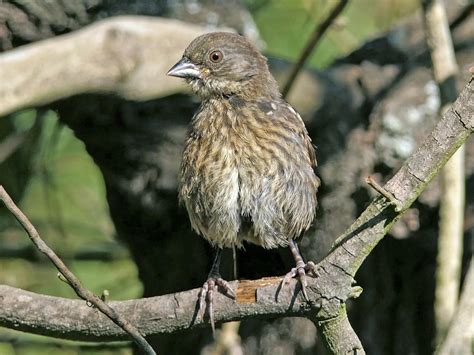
<point>242,166</point>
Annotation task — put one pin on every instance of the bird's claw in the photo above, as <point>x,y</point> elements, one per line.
<point>206,296</point>
<point>300,271</point>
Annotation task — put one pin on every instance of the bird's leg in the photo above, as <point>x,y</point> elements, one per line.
<point>214,280</point>
<point>300,270</point>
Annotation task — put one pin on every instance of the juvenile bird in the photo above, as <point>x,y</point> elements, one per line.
<point>247,172</point>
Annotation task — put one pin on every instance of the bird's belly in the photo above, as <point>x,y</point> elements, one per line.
<point>258,197</point>
<point>238,197</point>
<point>279,201</point>
<point>210,192</point>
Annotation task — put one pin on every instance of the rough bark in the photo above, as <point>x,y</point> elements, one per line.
<point>116,56</point>
<point>27,21</point>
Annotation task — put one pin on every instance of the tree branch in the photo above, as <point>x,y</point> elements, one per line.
<point>407,184</point>
<point>71,279</point>
<point>72,319</point>
<point>318,33</point>
<point>452,201</point>
<point>460,335</point>
<point>126,55</point>
<point>462,16</point>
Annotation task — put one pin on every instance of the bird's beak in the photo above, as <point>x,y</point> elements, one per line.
<point>184,69</point>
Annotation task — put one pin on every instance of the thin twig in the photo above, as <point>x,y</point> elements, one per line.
<point>318,33</point>
<point>10,145</point>
<point>71,279</point>
<point>375,185</point>
<point>463,15</point>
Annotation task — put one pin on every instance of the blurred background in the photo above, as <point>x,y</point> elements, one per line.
<point>96,174</point>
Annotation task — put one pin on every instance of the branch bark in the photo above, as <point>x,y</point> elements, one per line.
<point>116,55</point>
<point>327,292</point>
<point>452,201</point>
<point>73,319</point>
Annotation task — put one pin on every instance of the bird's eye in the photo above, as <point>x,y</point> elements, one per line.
<point>216,56</point>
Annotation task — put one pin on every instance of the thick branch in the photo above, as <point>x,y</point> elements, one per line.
<point>72,319</point>
<point>337,334</point>
<point>128,56</point>
<point>358,241</point>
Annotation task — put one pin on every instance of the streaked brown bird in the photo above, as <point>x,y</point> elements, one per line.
<point>247,172</point>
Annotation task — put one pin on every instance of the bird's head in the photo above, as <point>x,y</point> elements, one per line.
<point>225,64</point>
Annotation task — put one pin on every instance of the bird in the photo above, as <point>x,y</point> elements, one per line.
<point>248,168</point>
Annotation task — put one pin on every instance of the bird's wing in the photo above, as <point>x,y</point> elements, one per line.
<point>293,119</point>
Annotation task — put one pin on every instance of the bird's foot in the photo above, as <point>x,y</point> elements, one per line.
<point>206,296</point>
<point>300,272</point>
